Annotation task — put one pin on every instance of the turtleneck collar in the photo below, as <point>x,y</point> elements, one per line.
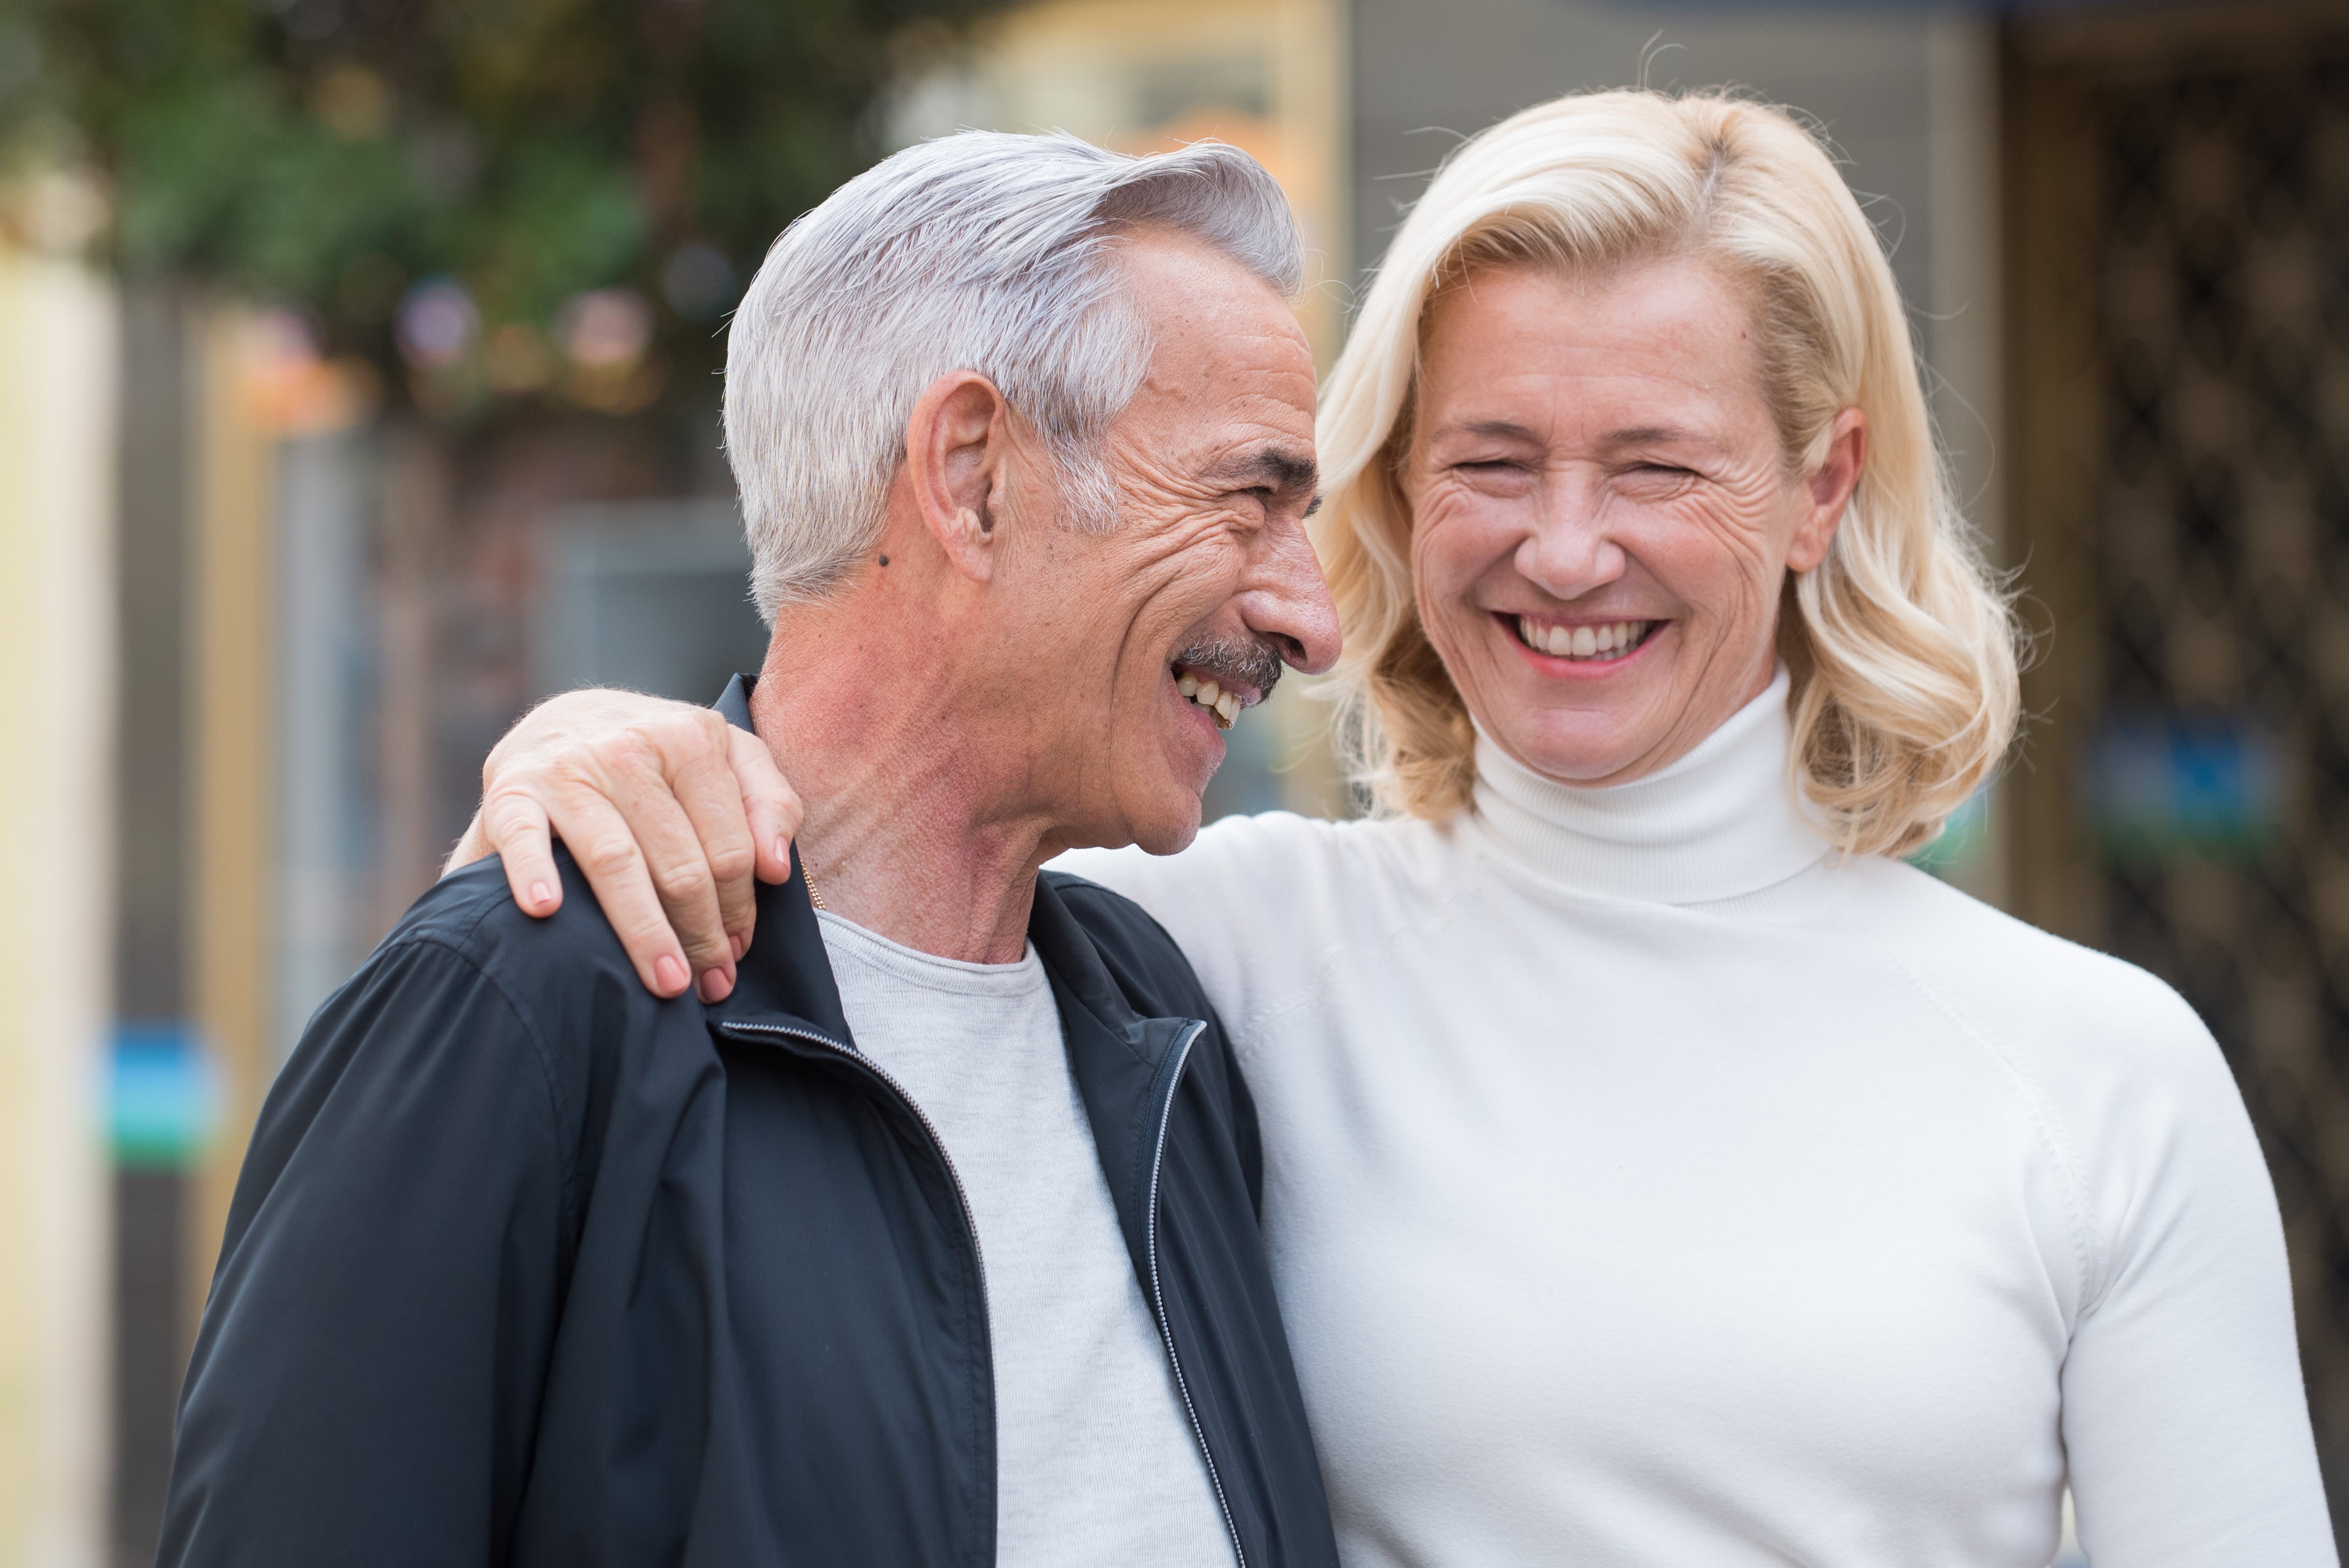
<point>1722,821</point>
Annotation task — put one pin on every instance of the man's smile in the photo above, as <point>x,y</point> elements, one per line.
<point>1226,676</point>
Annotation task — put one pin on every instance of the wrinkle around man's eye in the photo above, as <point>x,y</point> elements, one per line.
<point>1254,505</point>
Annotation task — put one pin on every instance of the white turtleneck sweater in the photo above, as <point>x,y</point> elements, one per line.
<point>1648,1186</point>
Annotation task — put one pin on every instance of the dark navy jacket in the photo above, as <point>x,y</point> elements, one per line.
<point>529,1266</point>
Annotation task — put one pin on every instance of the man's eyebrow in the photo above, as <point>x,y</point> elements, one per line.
<point>1282,470</point>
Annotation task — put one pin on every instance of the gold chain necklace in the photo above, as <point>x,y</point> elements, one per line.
<point>807,874</point>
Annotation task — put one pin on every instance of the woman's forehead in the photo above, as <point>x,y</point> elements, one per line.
<point>1661,353</point>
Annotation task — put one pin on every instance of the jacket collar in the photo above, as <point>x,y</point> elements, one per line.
<point>1123,1062</point>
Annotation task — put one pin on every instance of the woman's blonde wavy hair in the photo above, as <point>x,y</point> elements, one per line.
<point>1902,643</point>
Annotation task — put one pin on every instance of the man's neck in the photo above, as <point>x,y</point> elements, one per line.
<point>908,832</point>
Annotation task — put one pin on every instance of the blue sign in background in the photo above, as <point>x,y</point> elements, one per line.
<point>162,1095</point>
<point>2163,784</point>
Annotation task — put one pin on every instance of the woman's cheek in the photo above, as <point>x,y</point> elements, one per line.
<point>1711,558</point>
<point>1459,535</point>
<point>1437,541</point>
<point>1739,532</point>
<point>1718,559</point>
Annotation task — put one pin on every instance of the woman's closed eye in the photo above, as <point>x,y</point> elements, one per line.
<point>1502,476</point>
<point>1655,479</point>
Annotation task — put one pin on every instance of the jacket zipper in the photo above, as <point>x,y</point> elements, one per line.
<point>1158,1297</point>
<point>937,1145</point>
<point>1157,1162</point>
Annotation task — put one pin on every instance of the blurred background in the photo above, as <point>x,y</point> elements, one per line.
<point>357,388</point>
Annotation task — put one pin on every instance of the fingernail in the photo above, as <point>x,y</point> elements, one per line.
<point>783,850</point>
<point>672,974</point>
<point>540,895</point>
<point>741,945</point>
<point>714,986</point>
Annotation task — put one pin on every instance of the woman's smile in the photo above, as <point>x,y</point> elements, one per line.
<point>1593,646</point>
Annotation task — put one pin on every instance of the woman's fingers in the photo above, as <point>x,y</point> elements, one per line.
<point>514,826</point>
<point>603,843</point>
<point>648,772</point>
<point>642,791</point>
<point>772,806</point>
<point>701,770</point>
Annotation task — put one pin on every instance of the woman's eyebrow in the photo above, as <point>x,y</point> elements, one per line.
<point>1492,429</point>
<point>1654,436</point>
<point>1628,436</point>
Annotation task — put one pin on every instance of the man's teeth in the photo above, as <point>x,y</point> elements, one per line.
<point>1224,705</point>
<point>1586,642</point>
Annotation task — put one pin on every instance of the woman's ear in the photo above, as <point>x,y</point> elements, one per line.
<point>957,447</point>
<point>1829,491</point>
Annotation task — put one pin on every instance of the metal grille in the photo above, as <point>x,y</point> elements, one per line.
<point>2221,778</point>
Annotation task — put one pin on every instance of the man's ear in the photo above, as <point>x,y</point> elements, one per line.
<point>957,456</point>
<point>1830,490</point>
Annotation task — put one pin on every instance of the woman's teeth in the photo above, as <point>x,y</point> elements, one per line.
<point>1610,641</point>
<point>1224,705</point>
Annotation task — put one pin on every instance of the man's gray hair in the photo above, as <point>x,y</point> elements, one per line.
<point>981,252</point>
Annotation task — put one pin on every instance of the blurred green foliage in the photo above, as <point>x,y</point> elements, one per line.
<point>339,154</point>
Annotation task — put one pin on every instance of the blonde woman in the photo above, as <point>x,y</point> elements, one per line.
<point>1658,1171</point>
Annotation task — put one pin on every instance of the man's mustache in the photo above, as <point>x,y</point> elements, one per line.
<point>1244,662</point>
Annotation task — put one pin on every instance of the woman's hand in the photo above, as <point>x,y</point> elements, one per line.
<point>669,812</point>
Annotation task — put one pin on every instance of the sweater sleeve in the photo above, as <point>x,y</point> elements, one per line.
<point>365,1382</point>
<point>2185,1424</point>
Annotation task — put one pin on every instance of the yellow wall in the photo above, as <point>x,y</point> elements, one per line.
<point>57,430</point>
<point>234,581</point>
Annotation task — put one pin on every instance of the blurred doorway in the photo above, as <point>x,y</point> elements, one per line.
<point>2178,184</point>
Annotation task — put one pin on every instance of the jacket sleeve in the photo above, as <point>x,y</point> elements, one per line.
<point>365,1382</point>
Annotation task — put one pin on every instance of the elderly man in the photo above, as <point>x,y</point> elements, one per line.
<point>926,1232</point>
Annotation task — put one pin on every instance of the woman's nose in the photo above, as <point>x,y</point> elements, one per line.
<point>1572,550</point>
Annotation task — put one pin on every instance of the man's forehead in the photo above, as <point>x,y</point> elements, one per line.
<point>1251,344</point>
<point>1247,420</point>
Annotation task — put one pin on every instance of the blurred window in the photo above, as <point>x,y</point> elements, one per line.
<point>651,595</point>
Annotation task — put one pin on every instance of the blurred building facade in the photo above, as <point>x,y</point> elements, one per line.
<point>2178,191</point>
<point>2124,232</point>
<point>58,359</point>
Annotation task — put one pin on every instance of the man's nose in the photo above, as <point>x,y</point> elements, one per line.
<point>1286,600</point>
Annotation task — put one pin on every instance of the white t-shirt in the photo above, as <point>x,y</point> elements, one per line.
<point>1095,1458</point>
<point>1647,1187</point>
